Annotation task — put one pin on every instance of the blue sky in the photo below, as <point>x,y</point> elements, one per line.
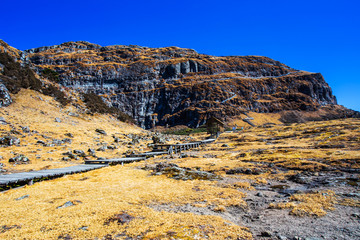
<point>317,36</point>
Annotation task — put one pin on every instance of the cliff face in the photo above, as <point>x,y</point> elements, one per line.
<point>180,85</point>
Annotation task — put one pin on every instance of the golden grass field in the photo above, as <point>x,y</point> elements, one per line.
<point>128,202</point>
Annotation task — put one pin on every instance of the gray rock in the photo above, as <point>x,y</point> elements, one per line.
<point>5,98</point>
<point>58,120</point>
<point>69,135</point>
<point>9,140</point>
<point>102,148</point>
<point>100,131</point>
<point>80,153</point>
<point>225,145</point>
<point>65,159</point>
<point>73,114</point>
<point>41,142</point>
<point>22,197</point>
<point>67,140</point>
<point>25,129</point>
<point>91,151</point>
<point>2,121</point>
<point>65,205</point>
<point>19,159</point>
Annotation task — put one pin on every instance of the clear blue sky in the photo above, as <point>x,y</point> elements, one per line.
<point>318,36</point>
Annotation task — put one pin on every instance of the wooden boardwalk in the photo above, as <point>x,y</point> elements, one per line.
<point>28,177</point>
<point>158,149</point>
<point>115,160</point>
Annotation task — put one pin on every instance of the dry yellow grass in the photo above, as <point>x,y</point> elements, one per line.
<point>103,193</point>
<point>39,115</point>
<point>310,204</point>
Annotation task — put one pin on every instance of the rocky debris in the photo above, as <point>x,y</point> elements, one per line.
<point>2,121</point>
<point>9,140</point>
<point>70,135</point>
<point>100,131</point>
<point>69,204</point>
<point>5,98</point>
<point>41,142</point>
<point>58,120</point>
<point>79,153</point>
<point>116,139</point>
<point>70,155</point>
<point>174,171</point>
<point>91,151</point>
<point>25,129</point>
<point>102,148</point>
<point>22,197</point>
<point>19,159</point>
<point>5,228</point>
<point>248,171</point>
<point>120,218</point>
<point>1,166</point>
<point>225,145</point>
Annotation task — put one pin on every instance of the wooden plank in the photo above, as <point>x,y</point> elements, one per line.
<point>27,176</point>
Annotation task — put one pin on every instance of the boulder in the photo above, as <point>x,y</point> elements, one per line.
<point>19,159</point>
<point>9,140</point>
<point>5,98</point>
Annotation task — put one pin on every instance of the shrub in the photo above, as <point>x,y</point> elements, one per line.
<point>96,105</point>
<point>51,75</point>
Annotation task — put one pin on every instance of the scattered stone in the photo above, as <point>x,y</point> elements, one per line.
<point>58,120</point>
<point>5,98</point>
<point>66,159</point>
<point>69,154</point>
<point>299,178</point>
<point>5,228</point>
<point>73,114</point>
<point>225,145</point>
<point>241,155</point>
<point>102,148</point>
<point>111,147</point>
<point>80,153</point>
<point>64,237</point>
<point>69,204</point>
<point>69,135</point>
<point>120,219</point>
<point>22,197</point>
<point>265,234</point>
<point>41,142</point>
<point>67,140</point>
<point>260,194</point>
<point>19,159</point>
<point>85,228</point>
<point>100,131</point>
<point>116,139</point>
<point>9,140</point>
<point>174,171</point>
<point>25,129</point>
<point>91,151</point>
<point>248,171</point>
<point>2,121</point>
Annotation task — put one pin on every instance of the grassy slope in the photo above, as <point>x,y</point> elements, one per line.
<point>101,194</point>
<point>38,112</point>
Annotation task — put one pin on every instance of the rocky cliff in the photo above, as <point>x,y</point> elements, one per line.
<point>180,85</point>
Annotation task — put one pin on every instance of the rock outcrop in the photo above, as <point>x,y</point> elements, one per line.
<point>180,85</point>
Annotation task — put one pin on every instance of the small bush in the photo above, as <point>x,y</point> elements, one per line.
<point>96,105</point>
<point>55,92</point>
<point>51,75</point>
<point>16,77</point>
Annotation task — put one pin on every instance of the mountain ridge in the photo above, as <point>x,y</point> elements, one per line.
<point>181,86</point>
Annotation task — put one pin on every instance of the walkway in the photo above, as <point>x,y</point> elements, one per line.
<point>10,180</point>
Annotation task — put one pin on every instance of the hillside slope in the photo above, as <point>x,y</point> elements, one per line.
<point>180,85</point>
